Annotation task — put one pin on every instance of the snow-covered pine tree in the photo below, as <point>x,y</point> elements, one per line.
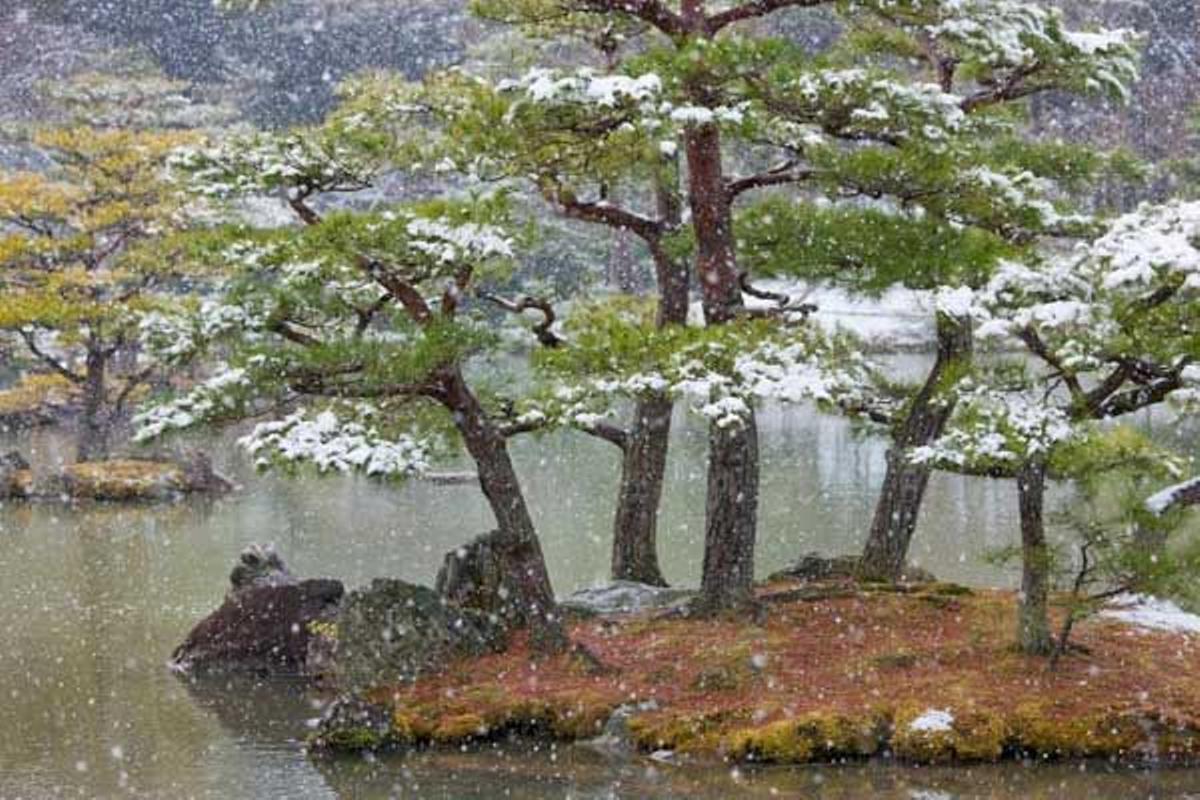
<point>748,112</point>
<point>895,114</point>
<point>355,329</point>
<point>1107,330</point>
<point>919,174</point>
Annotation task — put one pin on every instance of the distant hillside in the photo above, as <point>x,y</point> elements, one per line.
<point>280,66</point>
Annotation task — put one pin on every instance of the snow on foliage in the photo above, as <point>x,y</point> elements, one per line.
<point>333,444</point>
<point>997,430</point>
<point>221,395</point>
<point>1155,239</point>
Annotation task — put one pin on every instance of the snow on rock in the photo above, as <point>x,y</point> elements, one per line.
<point>1152,613</point>
<point>625,597</point>
<point>934,720</point>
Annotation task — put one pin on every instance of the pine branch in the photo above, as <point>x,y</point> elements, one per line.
<point>545,336</point>
<point>652,12</point>
<point>754,9</point>
<point>31,342</point>
<point>602,212</point>
<point>782,175</point>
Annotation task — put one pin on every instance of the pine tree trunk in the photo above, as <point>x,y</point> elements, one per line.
<point>93,435</point>
<point>885,555</point>
<point>1033,621</point>
<point>498,479</point>
<point>733,468</point>
<point>731,518</point>
<point>643,468</point>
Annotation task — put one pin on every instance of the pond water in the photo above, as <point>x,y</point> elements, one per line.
<point>96,597</point>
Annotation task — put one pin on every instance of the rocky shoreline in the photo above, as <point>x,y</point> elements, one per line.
<point>833,671</point>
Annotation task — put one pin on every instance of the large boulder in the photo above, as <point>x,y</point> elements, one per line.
<point>269,624</point>
<point>394,631</point>
<point>476,576</point>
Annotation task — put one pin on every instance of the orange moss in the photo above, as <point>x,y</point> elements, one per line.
<point>831,678</point>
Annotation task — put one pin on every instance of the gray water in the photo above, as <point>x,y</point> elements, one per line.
<point>96,597</point>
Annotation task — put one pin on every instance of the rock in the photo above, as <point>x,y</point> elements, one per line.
<point>200,477</point>
<point>125,480</point>
<point>263,629</point>
<point>270,623</point>
<point>351,724</point>
<point>815,568</point>
<point>259,565</point>
<point>14,470</point>
<point>474,576</point>
<point>395,631</point>
<point>616,739</point>
<point>625,597</point>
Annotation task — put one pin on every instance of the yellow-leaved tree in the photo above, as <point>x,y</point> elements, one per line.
<point>83,261</point>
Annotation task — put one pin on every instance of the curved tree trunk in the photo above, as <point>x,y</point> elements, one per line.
<point>885,555</point>
<point>643,467</point>
<point>93,441</point>
<point>498,479</point>
<point>1033,615</point>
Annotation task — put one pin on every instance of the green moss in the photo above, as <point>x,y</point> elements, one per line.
<point>123,481</point>
<point>1047,736</point>
<point>353,740</point>
<point>812,737</point>
<point>899,660</point>
<point>973,736</point>
<point>683,733</point>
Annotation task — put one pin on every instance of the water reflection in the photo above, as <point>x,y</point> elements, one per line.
<point>578,774</point>
<point>96,597</point>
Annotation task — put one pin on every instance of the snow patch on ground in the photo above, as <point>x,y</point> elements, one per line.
<point>1151,613</point>
<point>935,720</point>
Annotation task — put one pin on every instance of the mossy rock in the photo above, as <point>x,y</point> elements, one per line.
<point>1129,737</point>
<point>809,738</point>
<point>127,480</point>
<point>682,733</point>
<point>970,736</point>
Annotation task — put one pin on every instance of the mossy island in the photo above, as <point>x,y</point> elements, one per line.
<point>924,675</point>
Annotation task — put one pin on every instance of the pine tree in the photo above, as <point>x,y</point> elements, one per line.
<point>83,264</point>
<point>1108,330</point>
<point>366,321</point>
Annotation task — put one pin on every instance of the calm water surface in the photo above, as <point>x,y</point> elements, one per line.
<point>96,597</point>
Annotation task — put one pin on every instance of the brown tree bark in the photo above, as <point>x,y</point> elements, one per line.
<point>94,425</point>
<point>733,470</point>
<point>1033,617</point>
<point>645,447</point>
<point>731,518</point>
<point>643,469</point>
<point>885,555</point>
<point>498,479</point>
